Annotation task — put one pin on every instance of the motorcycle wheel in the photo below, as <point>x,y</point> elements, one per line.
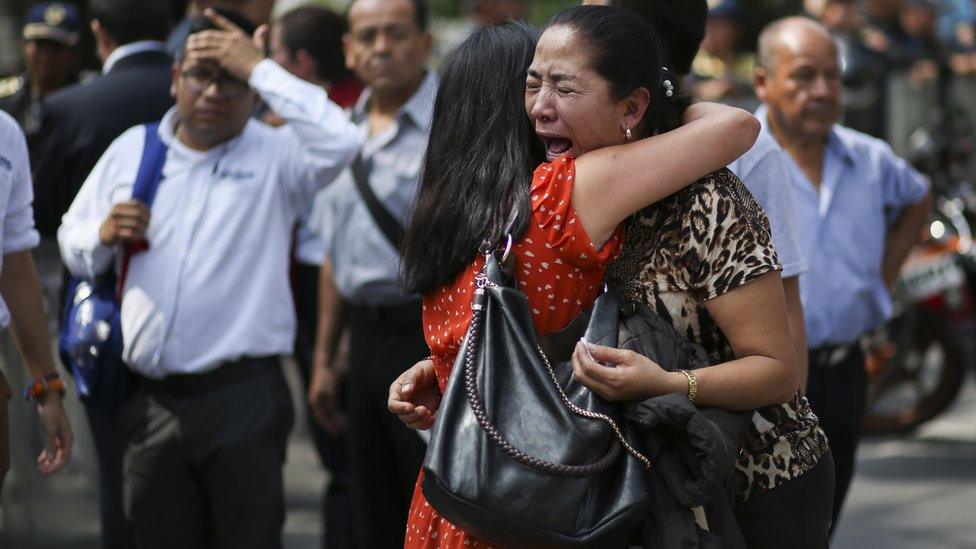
<point>917,381</point>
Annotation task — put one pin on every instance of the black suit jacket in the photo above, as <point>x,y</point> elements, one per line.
<point>81,121</point>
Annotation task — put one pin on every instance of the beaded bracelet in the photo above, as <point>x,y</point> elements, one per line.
<point>40,386</point>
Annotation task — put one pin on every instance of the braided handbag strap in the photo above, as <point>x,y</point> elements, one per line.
<point>477,406</point>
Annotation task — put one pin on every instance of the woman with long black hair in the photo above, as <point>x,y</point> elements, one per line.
<point>484,161</point>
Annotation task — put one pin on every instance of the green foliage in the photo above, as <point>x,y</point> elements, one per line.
<point>540,9</point>
<point>544,9</point>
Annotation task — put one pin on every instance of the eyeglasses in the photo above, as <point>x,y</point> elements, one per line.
<point>199,80</point>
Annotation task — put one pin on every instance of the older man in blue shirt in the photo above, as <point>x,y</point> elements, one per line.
<point>860,210</point>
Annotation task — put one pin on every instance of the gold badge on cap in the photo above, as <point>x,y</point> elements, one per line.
<point>54,14</point>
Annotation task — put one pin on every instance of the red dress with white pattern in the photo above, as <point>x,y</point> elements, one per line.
<point>560,272</point>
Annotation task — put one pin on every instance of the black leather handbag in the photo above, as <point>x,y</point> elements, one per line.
<point>521,454</point>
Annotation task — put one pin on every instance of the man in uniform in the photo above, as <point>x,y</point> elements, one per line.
<point>307,41</point>
<point>51,34</point>
<point>387,46</point>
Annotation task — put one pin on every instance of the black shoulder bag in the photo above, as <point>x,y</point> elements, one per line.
<point>521,454</point>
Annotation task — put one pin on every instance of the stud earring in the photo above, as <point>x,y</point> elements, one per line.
<point>628,134</point>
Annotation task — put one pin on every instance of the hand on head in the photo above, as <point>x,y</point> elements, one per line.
<point>228,46</point>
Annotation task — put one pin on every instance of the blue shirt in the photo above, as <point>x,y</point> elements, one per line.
<point>843,229</point>
<point>365,265</point>
<point>763,170</point>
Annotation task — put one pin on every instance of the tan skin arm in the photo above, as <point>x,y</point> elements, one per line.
<point>903,236</point>
<point>614,182</point>
<point>21,291</point>
<point>798,329</point>
<point>752,317</point>
<point>328,373</point>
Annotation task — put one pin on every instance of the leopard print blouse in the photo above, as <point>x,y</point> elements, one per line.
<point>695,245</point>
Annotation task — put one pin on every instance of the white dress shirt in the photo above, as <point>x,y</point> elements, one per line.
<point>213,287</point>
<point>17,231</point>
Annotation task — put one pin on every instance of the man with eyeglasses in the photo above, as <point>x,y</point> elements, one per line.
<point>206,310</point>
<point>78,124</point>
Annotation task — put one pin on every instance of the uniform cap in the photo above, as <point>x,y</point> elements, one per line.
<point>57,21</point>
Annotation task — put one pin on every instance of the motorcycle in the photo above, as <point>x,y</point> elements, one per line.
<point>916,364</point>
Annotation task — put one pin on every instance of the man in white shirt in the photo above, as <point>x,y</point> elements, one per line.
<point>207,309</point>
<point>79,123</point>
<point>22,306</point>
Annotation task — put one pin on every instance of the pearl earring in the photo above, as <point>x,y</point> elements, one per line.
<point>629,134</point>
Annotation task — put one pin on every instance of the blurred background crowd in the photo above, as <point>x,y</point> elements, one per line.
<point>909,65</point>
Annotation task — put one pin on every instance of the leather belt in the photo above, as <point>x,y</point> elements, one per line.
<point>226,374</point>
<point>827,356</point>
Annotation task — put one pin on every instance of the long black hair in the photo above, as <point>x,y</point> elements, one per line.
<point>625,50</point>
<point>480,157</point>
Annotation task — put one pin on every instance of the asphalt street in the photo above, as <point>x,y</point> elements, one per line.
<point>912,492</point>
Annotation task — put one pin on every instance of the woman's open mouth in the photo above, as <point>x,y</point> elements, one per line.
<point>556,147</point>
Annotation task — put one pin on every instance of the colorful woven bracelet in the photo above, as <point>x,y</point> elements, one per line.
<point>40,386</point>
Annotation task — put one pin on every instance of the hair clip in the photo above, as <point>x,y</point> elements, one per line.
<point>668,86</point>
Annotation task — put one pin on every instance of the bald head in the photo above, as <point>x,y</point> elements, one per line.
<point>791,36</point>
<point>799,80</point>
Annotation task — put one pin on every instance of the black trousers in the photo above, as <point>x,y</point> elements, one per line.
<point>109,449</point>
<point>337,515</point>
<point>385,456</point>
<point>795,514</point>
<point>837,391</point>
<point>204,456</point>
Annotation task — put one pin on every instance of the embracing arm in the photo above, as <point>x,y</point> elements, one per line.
<point>614,182</point>
<point>753,318</point>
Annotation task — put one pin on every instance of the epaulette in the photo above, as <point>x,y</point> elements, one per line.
<point>10,85</point>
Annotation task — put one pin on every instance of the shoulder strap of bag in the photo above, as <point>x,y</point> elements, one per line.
<point>144,188</point>
<point>151,166</point>
<point>387,224</point>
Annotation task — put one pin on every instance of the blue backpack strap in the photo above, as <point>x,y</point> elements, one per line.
<point>151,166</point>
<point>94,359</point>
